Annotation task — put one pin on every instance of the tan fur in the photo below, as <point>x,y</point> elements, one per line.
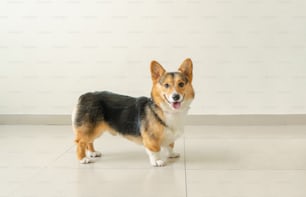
<point>171,145</point>
<point>90,147</point>
<point>152,132</point>
<point>187,69</point>
<point>187,90</point>
<point>85,136</point>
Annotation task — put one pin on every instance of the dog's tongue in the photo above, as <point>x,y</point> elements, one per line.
<point>176,105</point>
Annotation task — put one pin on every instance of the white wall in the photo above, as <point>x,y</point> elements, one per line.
<point>249,56</point>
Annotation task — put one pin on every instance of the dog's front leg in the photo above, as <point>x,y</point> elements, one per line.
<point>171,153</point>
<point>155,159</point>
<point>152,143</point>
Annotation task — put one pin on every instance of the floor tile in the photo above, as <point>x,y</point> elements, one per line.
<point>105,182</point>
<point>33,146</point>
<point>246,183</point>
<point>216,161</point>
<point>277,154</point>
<point>12,178</point>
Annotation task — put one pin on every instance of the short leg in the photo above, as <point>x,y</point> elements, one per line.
<point>171,153</point>
<point>152,143</point>
<point>84,137</point>
<point>155,159</point>
<point>91,152</point>
<point>81,153</point>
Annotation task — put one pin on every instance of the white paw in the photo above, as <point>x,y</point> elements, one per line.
<point>86,160</point>
<point>158,163</point>
<point>93,154</point>
<point>174,155</point>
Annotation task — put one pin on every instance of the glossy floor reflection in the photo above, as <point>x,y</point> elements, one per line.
<point>216,161</point>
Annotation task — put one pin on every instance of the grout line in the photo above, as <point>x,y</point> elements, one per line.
<point>57,158</point>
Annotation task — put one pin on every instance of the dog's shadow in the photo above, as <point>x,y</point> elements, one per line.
<point>122,156</point>
<point>131,157</point>
<point>205,158</point>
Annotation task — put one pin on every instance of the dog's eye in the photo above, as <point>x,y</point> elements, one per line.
<point>166,85</point>
<point>181,84</point>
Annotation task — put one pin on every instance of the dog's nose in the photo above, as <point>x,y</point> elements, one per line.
<point>176,97</point>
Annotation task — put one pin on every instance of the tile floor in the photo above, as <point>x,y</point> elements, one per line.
<point>216,161</point>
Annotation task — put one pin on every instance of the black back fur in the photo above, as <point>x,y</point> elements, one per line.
<point>123,113</point>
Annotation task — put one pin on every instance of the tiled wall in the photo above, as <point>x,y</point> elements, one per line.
<point>249,55</point>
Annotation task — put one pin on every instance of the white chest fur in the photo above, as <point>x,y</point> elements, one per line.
<point>175,127</point>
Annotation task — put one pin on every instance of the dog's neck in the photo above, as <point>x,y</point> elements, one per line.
<point>171,118</point>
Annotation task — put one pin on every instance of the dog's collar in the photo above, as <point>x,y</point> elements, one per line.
<point>152,106</point>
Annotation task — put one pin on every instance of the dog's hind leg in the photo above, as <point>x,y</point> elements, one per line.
<point>82,141</point>
<point>93,134</point>
<point>81,153</point>
<point>91,152</point>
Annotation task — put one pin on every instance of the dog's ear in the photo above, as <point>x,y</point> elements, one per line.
<point>156,71</point>
<point>186,68</point>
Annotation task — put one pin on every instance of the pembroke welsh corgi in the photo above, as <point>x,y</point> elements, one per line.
<point>154,122</point>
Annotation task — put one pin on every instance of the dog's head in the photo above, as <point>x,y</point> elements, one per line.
<point>172,90</point>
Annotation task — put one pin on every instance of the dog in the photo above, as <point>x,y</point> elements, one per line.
<point>154,122</point>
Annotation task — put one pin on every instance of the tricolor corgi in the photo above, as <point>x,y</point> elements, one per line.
<point>154,122</point>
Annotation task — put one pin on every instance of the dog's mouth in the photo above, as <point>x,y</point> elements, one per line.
<point>175,104</point>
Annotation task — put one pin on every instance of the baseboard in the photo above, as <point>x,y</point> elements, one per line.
<point>190,120</point>
<point>30,119</point>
